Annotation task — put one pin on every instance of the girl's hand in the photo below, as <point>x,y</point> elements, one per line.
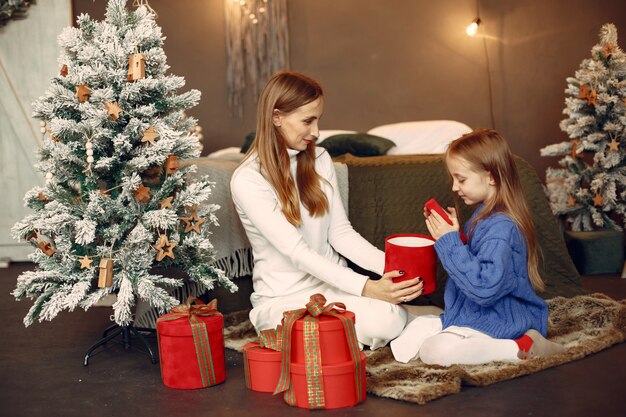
<point>393,292</point>
<point>437,226</point>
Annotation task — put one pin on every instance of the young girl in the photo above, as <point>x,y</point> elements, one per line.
<point>492,311</point>
<point>286,195</point>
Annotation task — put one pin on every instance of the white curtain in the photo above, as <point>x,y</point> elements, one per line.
<point>257,45</point>
<point>28,59</point>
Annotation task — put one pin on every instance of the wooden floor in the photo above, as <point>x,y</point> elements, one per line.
<point>42,374</point>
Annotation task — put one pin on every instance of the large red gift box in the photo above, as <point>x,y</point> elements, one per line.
<point>322,366</point>
<point>340,389</point>
<point>191,346</point>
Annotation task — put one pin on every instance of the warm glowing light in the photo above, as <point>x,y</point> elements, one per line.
<point>472,28</point>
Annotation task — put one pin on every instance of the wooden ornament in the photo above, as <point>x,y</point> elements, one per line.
<point>42,197</point>
<point>63,72</point>
<point>85,262</point>
<point>598,201</point>
<point>193,222</point>
<point>82,93</point>
<point>575,143</point>
<point>142,193</point>
<point>592,99</point>
<point>571,201</point>
<point>149,135</point>
<point>609,50</point>
<point>164,248</point>
<point>113,110</point>
<point>46,247</point>
<point>105,278</point>
<point>583,91</point>
<point>614,145</point>
<point>166,202</point>
<point>32,236</point>
<point>136,67</point>
<point>171,164</point>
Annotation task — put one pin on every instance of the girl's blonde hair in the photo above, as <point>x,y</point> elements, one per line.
<point>486,150</point>
<point>285,92</point>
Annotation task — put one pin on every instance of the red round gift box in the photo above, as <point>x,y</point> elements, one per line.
<point>413,260</point>
<point>177,353</point>
<point>333,343</point>
<point>264,367</point>
<point>339,384</point>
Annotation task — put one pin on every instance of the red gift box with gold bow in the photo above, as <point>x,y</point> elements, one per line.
<point>191,345</point>
<point>322,366</point>
<point>261,361</point>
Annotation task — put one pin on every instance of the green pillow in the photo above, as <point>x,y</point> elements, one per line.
<point>248,142</point>
<point>358,144</point>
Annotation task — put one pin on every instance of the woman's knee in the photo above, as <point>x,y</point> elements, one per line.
<point>385,322</point>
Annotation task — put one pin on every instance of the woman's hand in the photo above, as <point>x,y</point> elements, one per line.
<point>393,292</point>
<point>437,226</point>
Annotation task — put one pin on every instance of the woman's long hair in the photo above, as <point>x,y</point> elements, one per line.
<point>486,150</point>
<point>285,92</point>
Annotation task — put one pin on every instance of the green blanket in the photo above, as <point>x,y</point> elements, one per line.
<point>387,195</point>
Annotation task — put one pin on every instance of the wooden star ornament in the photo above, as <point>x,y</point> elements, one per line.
<point>83,92</point>
<point>142,193</point>
<point>598,201</point>
<point>614,145</point>
<point>193,222</point>
<point>149,135</point>
<point>113,110</point>
<point>164,248</point>
<point>166,202</point>
<point>609,50</point>
<point>85,262</point>
<point>571,201</point>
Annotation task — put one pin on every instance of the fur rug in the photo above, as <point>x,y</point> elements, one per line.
<point>584,324</point>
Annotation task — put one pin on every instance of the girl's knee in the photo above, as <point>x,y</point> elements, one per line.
<point>435,351</point>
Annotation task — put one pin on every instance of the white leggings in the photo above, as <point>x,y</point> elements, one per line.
<point>424,338</point>
<point>376,322</point>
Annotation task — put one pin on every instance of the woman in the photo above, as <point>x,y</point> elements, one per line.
<point>286,194</point>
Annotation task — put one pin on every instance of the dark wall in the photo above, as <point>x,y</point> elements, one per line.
<point>399,60</point>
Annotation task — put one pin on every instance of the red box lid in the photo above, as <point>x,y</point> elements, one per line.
<point>258,353</point>
<point>326,323</point>
<point>182,328</point>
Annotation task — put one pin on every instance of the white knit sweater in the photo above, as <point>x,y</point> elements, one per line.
<point>290,260</point>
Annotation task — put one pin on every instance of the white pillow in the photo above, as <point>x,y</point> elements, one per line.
<point>424,137</point>
<point>231,154</point>
<point>326,133</point>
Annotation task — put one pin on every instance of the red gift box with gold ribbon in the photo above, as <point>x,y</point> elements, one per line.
<point>322,366</point>
<point>191,345</point>
<point>261,361</point>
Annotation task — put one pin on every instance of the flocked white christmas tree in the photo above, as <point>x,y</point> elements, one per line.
<point>590,188</point>
<point>117,204</point>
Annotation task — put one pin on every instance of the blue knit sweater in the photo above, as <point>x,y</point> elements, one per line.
<point>488,288</point>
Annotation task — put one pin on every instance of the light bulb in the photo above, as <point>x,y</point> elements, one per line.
<point>472,28</point>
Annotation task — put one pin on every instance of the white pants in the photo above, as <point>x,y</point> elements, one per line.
<point>376,322</point>
<point>424,338</point>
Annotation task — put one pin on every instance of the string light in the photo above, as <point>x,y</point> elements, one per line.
<point>472,28</point>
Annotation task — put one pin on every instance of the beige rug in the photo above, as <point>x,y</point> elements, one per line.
<point>583,324</point>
